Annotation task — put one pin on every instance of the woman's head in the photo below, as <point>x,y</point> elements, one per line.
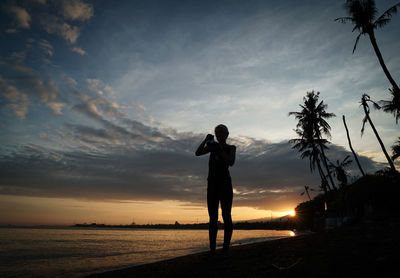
<point>221,132</point>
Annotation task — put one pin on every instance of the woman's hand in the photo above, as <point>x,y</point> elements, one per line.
<point>209,137</point>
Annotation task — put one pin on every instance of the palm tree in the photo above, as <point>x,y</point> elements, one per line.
<point>392,106</point>
<point>363,14</point>
<point>364,103</point>
<point>306,190</point>
<point>396,150</point>
<point>309,148</point>
<point>351,147</point>
<point>311,120</point>
<point>339,170</point>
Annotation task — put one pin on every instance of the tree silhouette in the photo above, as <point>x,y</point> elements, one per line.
<point>306,191</point>
<point>312,125</point>
<point>351,147</point>
<point>339,170</point>
<point>308,147</point>
<point>363,14</point>
<point>393,105</point>
<point>364,103</point>
<point>396,150</point>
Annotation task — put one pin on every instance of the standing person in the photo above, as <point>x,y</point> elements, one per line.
<point>219,188</point>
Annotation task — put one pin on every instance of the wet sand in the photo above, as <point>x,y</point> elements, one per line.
<point>366,249</point>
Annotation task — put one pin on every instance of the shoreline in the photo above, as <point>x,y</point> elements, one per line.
<point>368,249</point>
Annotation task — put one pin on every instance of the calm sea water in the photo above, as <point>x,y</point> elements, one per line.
<point>74,252</point>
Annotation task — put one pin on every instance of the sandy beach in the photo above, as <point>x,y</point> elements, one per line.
<point>367,249</point>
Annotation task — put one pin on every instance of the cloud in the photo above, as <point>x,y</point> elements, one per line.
<point>55,25</point>
<point>76,10</point>
<point>98,87</point>
<point>21,16</point>
<point>79,50</point>
<point>95,85</point>
<point>14,63</point>
<point>68,10</point>
<point>118,158</point>
<point>172,173</point>
<point>71,82</point>
<point>112,123</point>
<point>31,84</point>
<point>55,17</point>
<point>109,90</point>
<point>47,92</point>
<point>18,102</point>
<point>46,47</point>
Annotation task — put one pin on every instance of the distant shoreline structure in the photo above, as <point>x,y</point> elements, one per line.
<point>284,223</point>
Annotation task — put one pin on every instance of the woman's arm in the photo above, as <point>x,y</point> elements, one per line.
<point>201,150</point>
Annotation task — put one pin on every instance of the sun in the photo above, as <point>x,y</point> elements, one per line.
<point>292,213</point>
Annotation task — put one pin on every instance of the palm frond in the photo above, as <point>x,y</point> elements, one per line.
<point>356,43</point>
<point>344,20</point>
<point>347,157</point>
<point>363,125</point>
<point>375,105</point>
<point>396,150</point>
<point>386,16</point>
<point>345,161</point>
<point>392,106</point>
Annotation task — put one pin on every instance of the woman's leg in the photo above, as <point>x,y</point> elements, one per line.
<point>226,206</point>
<point>212,204</point>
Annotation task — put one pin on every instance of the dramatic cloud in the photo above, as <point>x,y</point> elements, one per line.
<point>121,159</point>
<point>169,171</point>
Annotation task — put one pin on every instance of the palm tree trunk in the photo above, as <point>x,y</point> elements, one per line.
<point>326,165</point>
<point>308,194</point>
<point>380,58</point>
<point>325,184</point>
<point>379,139</point>
<point>351,147</point>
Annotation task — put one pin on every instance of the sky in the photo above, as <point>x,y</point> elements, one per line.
<point>103,103</point>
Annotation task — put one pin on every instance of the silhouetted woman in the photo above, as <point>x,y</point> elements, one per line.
<point>219,187</point>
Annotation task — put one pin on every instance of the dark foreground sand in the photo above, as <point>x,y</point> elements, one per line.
<point>367,249</point>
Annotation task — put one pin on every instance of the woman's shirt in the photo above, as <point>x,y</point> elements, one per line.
<point>218,168</point>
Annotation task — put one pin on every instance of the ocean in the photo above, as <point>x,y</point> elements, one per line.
<point>76,252</point>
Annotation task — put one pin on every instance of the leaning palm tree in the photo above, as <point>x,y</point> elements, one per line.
<point>396,150</point>
<point>351,147</point>
<point>311,120</point>
<point>339,170</point>
<point>363,14</point>
<point>308,148</point>
<point>365,99</point>
<point>393,105</point>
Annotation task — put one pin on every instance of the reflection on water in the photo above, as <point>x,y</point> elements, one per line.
<point>72,252</point>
